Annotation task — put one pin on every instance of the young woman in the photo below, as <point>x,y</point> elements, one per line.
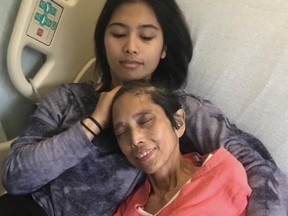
<point>67,160</point>
<point>148,121</point>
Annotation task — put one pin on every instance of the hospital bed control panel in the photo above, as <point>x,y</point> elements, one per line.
<point>62,31</point>
<point>44,21</point>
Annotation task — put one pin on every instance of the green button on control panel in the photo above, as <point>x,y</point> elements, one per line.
<point>44,23</point>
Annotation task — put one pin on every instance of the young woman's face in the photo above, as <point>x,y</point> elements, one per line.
<point>133,43</point>
<point>144,133</point>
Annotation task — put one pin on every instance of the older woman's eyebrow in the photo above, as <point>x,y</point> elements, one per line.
<point>142,113</point>
<point>141,26</point>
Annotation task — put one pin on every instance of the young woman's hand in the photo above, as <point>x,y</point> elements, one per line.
<point>103,107</point>
<point>101,114</point>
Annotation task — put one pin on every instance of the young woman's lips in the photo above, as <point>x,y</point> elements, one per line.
<point>131,64</point>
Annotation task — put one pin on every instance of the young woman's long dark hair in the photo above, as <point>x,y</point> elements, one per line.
<point>173,69</point>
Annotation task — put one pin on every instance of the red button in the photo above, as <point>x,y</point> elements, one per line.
<point>40,32</point>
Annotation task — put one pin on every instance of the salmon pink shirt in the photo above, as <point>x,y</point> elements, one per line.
<point>218,187</point>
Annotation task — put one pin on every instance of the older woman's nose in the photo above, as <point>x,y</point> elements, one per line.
<point>137,137</point>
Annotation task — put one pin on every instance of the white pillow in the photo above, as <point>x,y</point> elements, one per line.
<point>240,63</point>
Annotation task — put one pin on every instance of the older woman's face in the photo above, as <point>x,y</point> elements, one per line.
<point>133,43</point>
<point>144,133</point>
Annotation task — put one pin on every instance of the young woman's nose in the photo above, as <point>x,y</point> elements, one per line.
<point>131,45</point>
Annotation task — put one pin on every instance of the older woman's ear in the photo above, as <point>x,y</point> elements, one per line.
<point>180,121</point>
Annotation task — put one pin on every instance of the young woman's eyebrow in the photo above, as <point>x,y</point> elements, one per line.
<point>141,26</point>
<point>117,24</point>
<point>144,26</point>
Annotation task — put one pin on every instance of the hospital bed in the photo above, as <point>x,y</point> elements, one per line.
<point>239,60</point>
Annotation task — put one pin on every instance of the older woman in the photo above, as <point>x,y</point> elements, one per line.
<point>148,122</point>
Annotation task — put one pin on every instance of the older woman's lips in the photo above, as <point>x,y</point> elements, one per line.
<point>145,155</point>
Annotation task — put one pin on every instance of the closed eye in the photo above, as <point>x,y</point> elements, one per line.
<point>118,35</point>
<point>144,122</point>
<point>119,132</point>
<point>146,38</point>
